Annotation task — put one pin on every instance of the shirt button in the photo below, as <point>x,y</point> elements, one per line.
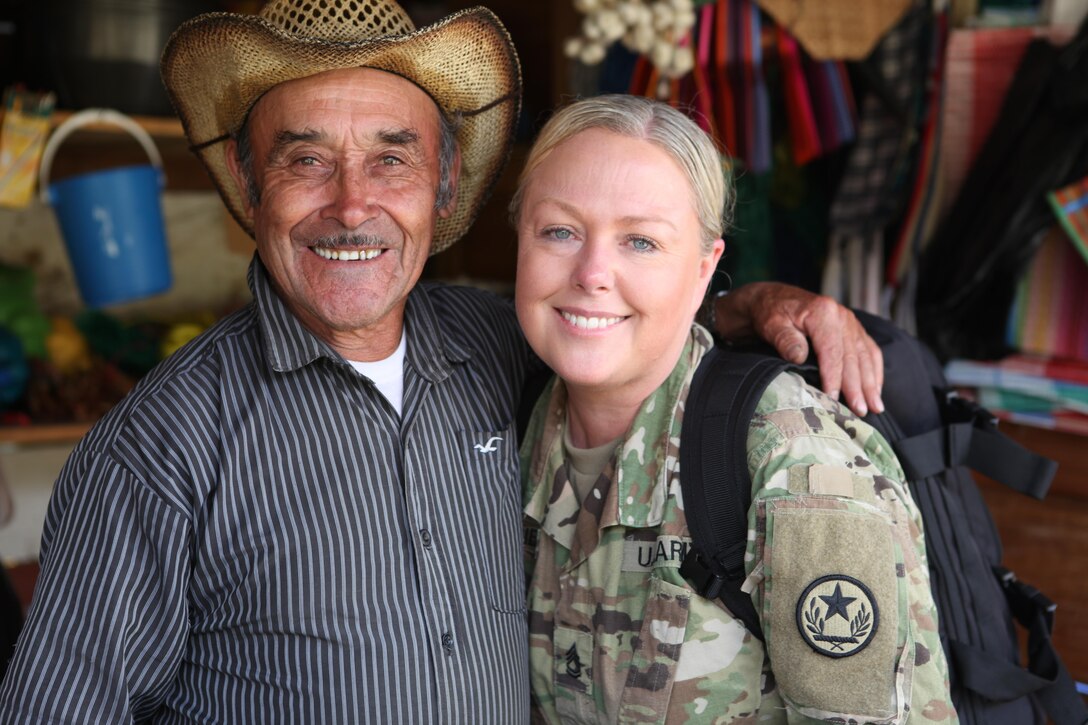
<point>425,536</point>
<point>447,642</point>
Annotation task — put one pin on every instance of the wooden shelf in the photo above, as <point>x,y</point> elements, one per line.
<point>42,434</point>
<point>87,148</point>
<point>156,126</point>
<point>160,127</point>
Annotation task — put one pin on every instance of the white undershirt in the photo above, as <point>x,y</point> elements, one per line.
<point>387,375</point>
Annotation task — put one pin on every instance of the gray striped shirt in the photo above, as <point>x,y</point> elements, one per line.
<point>254,536</point>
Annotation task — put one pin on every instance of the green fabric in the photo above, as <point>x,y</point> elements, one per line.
<point>19,311</point>
<point>749,249</point>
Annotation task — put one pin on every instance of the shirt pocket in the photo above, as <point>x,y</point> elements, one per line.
<point>835,607</point>
<point>651,674</point>
<point>493,491</point>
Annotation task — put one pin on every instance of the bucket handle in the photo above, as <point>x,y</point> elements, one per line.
<point>86,118</point>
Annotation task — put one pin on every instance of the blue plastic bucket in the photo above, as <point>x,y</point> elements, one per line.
<point>111,220</point>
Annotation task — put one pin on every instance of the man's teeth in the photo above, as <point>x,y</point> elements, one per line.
<point>590,323</point>
<point>346,254</point>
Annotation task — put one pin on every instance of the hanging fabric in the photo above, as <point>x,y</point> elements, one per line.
<point>703,100</point>
<point>924,207</point>
<point>832,101</point>
<point>870,190</point>
<point>727,119</point>
<point>756,84</point>
<point>800,116</point>
<point>1039,143</point>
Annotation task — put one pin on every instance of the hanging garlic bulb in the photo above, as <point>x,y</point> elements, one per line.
<point>650,27</point>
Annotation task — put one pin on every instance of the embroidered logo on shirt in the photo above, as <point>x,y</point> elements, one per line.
<point>837,615</point>
<point>490,446</point>
<point>574,663</point>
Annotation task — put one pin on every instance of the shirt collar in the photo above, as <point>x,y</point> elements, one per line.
<point>431,351</point>
<point>648,459</point>
<point>289,345</point>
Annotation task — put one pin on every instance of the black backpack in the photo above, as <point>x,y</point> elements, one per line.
<point>937,436</point>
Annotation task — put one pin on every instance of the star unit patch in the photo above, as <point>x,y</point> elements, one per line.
<point>837,615</point>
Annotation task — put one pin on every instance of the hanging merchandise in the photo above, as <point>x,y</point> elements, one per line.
<point>837,29</point>
<point>112,219</point>
<point>1049,316</point>
<point>701,72</point>
<point>732,46</point>
<point>725,103</point>
<point>800,115</point>
<point>832,101</point>
<point>1070,206</point>
<point>758,107</point>
<point>871,191</point>
<point>923,208</point>
<point>819,100</point>
<point>980,63</point>
<point>1039,143</point>
<point>23,130</point>
<point>727,89</point>
<point>657,30</point>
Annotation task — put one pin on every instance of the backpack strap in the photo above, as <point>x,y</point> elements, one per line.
<point>714,478</point>
<point>968,436</point>
<point>1045,676</point>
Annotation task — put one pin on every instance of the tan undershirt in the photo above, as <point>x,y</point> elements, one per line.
<point>586,464</point>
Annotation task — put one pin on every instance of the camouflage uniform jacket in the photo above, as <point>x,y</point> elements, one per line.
<point>835,560</point>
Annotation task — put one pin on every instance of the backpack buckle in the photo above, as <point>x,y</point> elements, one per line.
<point>957,409</point>
<point>706,575</point>
<point>1026,601</point>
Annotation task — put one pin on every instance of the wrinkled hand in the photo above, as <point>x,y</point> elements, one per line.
<point>787,316</point>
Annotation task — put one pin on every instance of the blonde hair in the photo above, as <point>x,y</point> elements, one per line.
<point>658,123</point>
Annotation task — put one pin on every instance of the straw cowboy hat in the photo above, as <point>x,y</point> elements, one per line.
<point>216,66</point>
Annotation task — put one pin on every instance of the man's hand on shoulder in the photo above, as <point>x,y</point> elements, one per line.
<point>787,317</point>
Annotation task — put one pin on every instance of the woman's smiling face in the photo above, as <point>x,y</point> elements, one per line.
<point>610,265</point>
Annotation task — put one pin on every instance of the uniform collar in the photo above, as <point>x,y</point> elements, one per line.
<point>289,345</point>
<point>646,463</point>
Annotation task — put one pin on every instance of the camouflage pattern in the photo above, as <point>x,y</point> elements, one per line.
<point>617,635</point>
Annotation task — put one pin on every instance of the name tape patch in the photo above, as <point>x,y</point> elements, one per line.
<point>666,551</point>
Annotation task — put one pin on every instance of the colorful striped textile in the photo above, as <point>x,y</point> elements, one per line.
<point>1070,204</point>
<point>980,65</point>
<point>1050,314</point>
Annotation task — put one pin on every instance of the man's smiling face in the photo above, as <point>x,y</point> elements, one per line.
<point>347,167</point>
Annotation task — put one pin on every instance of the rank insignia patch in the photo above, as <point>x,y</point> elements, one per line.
<point>837,615</point>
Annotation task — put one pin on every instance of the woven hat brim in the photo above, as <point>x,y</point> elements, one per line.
<point>216,66</point>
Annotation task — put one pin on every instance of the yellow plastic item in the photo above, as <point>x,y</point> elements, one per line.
<point>178,335</point>
<point>22,138</point>
<point>67,348</point>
